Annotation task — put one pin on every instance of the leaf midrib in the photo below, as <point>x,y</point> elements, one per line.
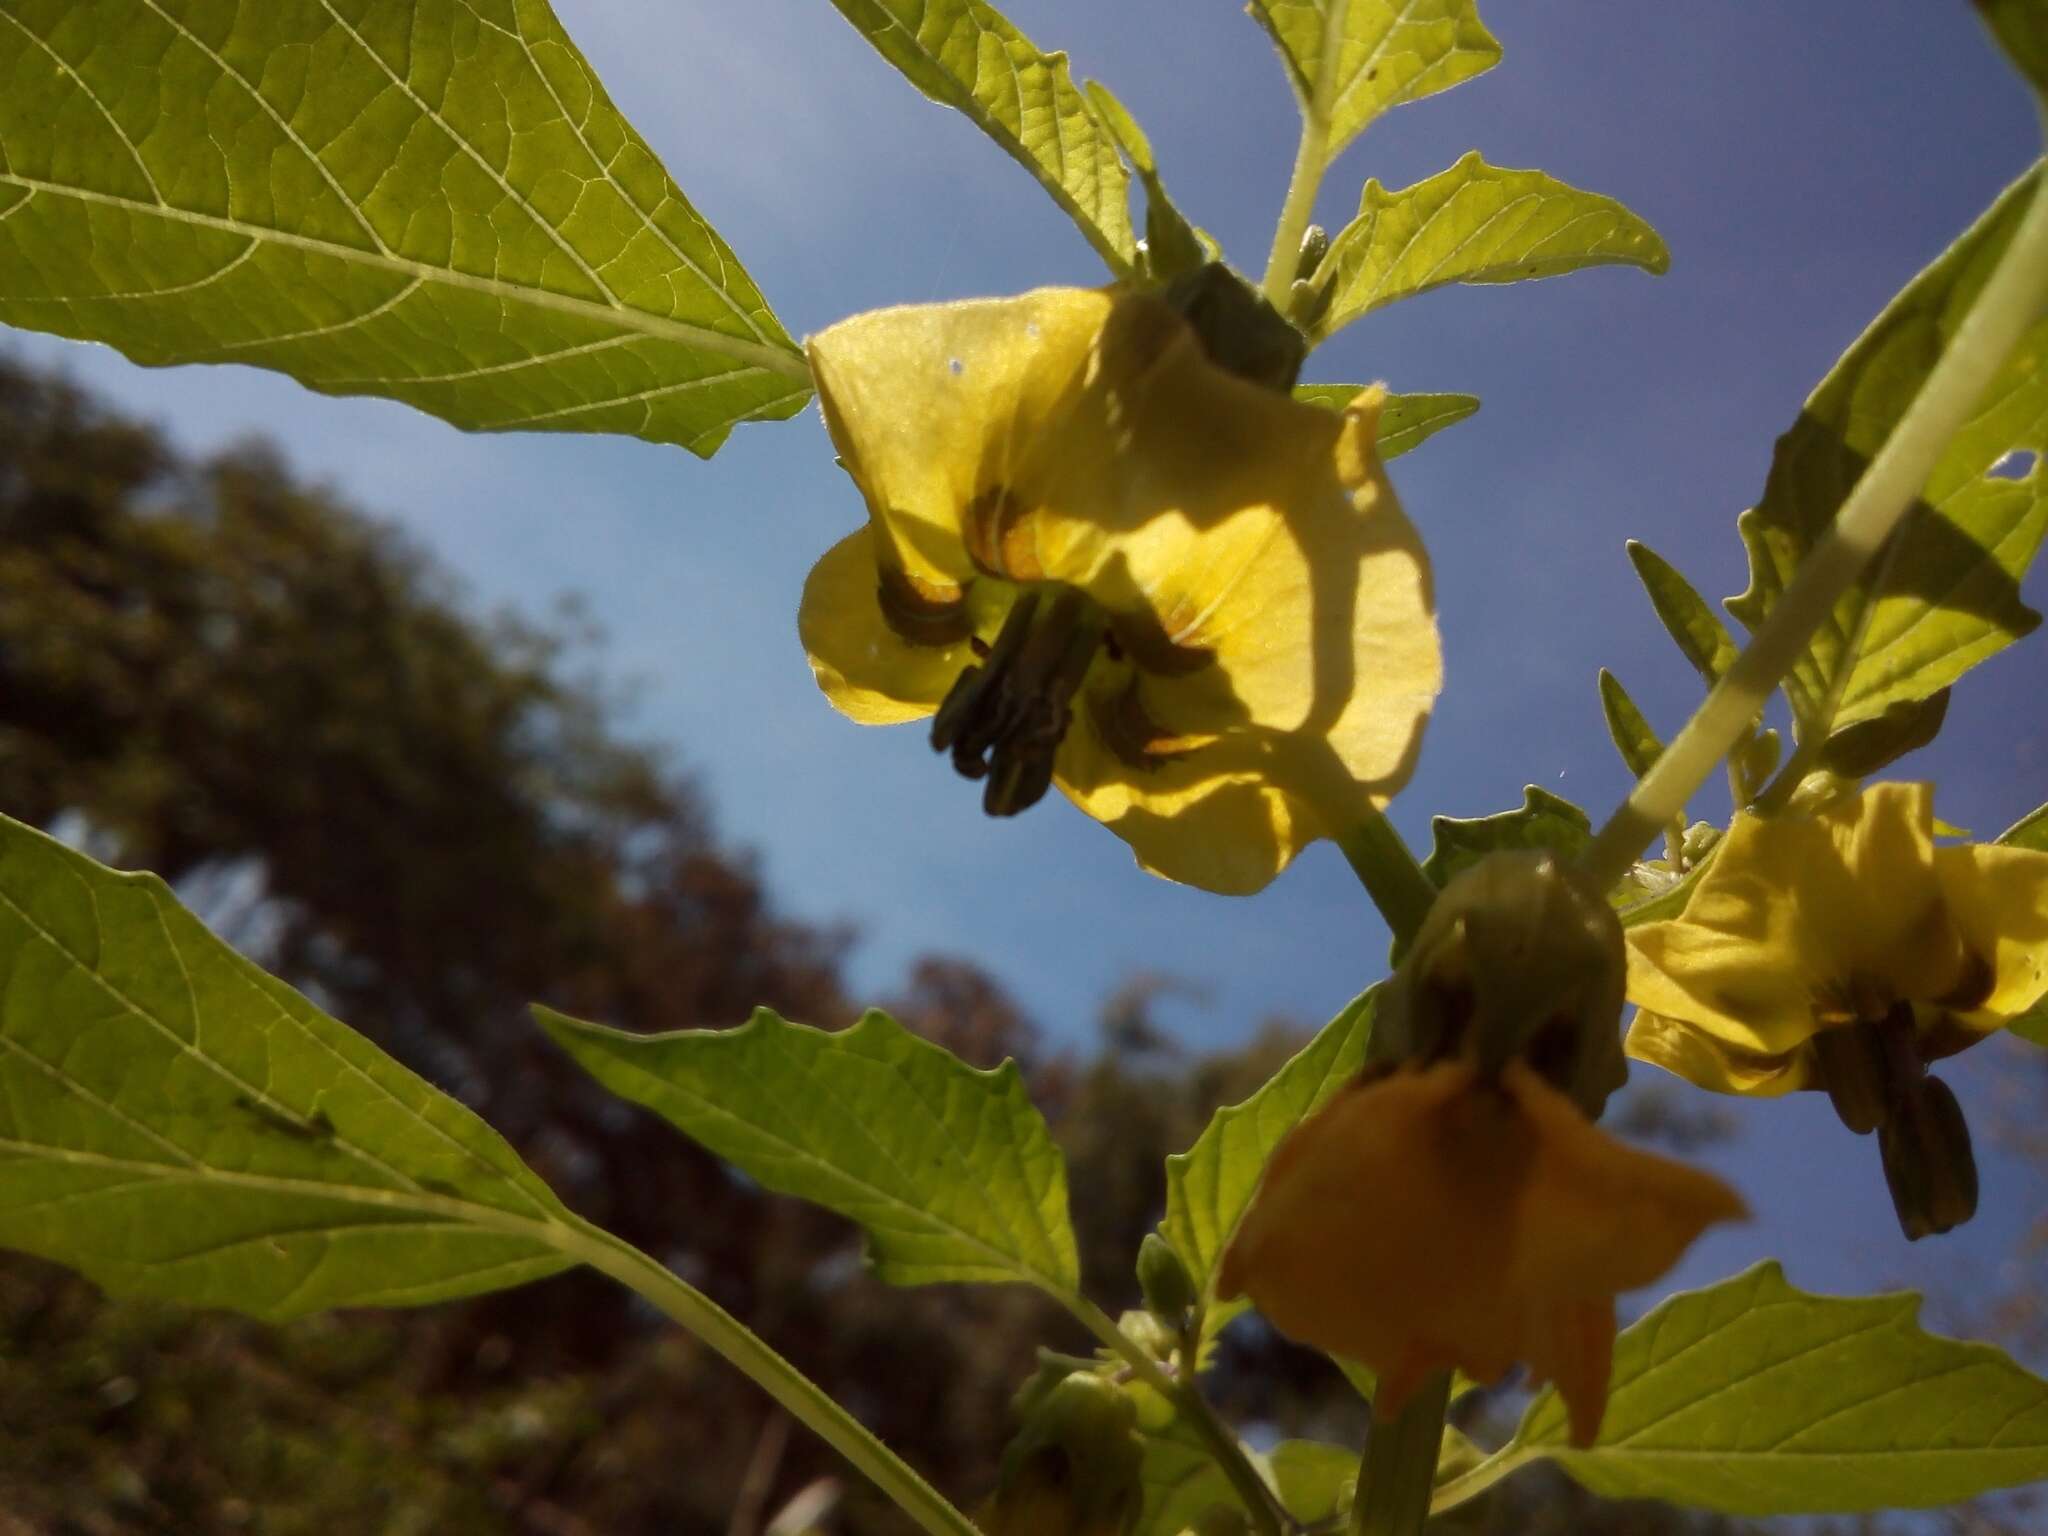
<point>788,363</point>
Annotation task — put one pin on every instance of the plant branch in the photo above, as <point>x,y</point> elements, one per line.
<point>1311,160</point>
<point>796,1392</point>
<point>1268,1516</point>
<point>2009,303</point>
<point>1399,1469</point>
<point>1389,873</point>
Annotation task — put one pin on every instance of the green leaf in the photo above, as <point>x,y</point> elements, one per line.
<point>1544,820</point>
<point>1700,635</point>
<point>177,1124</point>
<point>1633,738</point>
<point>1753,1398</point>
<point>1209,1185</point>
<point>1406,421</point>
<point>964,54</point>
<point>2021,28</point>
<point>2030,831</point>
<point>1386,52</point>
<point>1181,1480</point>
<point>432,202</point>
<point>1173,246</point>
<point>1857,751</point>
<point>1315,1481</point>
<point>1476,223</point>
<point>1950,585</point>
<point>950,1171</point>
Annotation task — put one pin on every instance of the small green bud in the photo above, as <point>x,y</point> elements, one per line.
<point>1517,958</point>
<point>1315,245</point>
<point>1697,843</point>
<point>1164,1281</point>
<point>1819,790</point>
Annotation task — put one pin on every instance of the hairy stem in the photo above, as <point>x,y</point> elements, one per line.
<point>1310,161</point>
<point>796,1392</point>
<point>2010,302</point>
<point>1389,873</point>
<point>1399,1470</point>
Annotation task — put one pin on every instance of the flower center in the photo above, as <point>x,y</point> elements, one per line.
<point>1003,720</point>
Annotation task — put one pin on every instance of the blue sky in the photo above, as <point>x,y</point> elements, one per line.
<point>1802,162</point>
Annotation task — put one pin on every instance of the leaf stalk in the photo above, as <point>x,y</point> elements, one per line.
<point>2010,301</point>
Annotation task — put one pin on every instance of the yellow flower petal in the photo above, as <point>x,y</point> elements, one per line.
<point>1430,1220</point>
<point>867,670</point>
<point>1794,914</point>
<point>1702,1059</point>
<point>1999,900</point>
<point>1273,645</point>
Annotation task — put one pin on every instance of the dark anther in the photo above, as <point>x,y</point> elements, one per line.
<point>1003,720</point>
<point>1928,1162</point>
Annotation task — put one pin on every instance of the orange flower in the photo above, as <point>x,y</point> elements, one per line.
<point>1432,1219</point>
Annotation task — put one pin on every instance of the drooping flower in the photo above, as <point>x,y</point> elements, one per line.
<point>1844,951</point>
<point>1102,561</point>
<point>1804,925</point>
<point>1433,1218</point>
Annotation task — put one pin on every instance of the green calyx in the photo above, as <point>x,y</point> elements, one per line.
<point>1518,959</point>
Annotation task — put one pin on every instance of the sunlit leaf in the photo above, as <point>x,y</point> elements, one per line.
<point>964,54</point>
<point>950,1171</point>
<point>1387,52</point>
<point>177,1124</point>
<point>1754,1398</point>
<point>1476,223</point>
<point>1857,751</point>
<point>1315,1481</point>
<point>1633,738</point>
<point>2021,27</point>
<point>1209,1185</point>
<point>1543,820</point>
<point>1406,421</point>
<point>433,201</point>
<point>1173,246</point>
<point>1700,634</point>
<point>1181,1479</point>
<point>1950,594</point>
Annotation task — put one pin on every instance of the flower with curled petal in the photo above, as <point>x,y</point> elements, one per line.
<point>1432,1217</point>
<point>1805,925</point>
<point>1844,951</point>
<point>1100,560</point>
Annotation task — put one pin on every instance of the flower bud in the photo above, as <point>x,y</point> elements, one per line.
<point>1163,1280</point>
<point>1518,958</point>
<point>1073,1466</point>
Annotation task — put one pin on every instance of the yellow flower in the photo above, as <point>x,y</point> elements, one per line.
<point>1431,1219</point>
<point>1105,562</point>
<point>1806,924</point>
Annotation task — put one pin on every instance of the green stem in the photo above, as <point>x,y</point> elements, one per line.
<point>1389,873</point>
<point>796,1392</point>
<point>2010,302</point>
<point>1469,1485</point>
<point>1310,161</point>
<point>1398,1474</point>
<point>1268,1516</point>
